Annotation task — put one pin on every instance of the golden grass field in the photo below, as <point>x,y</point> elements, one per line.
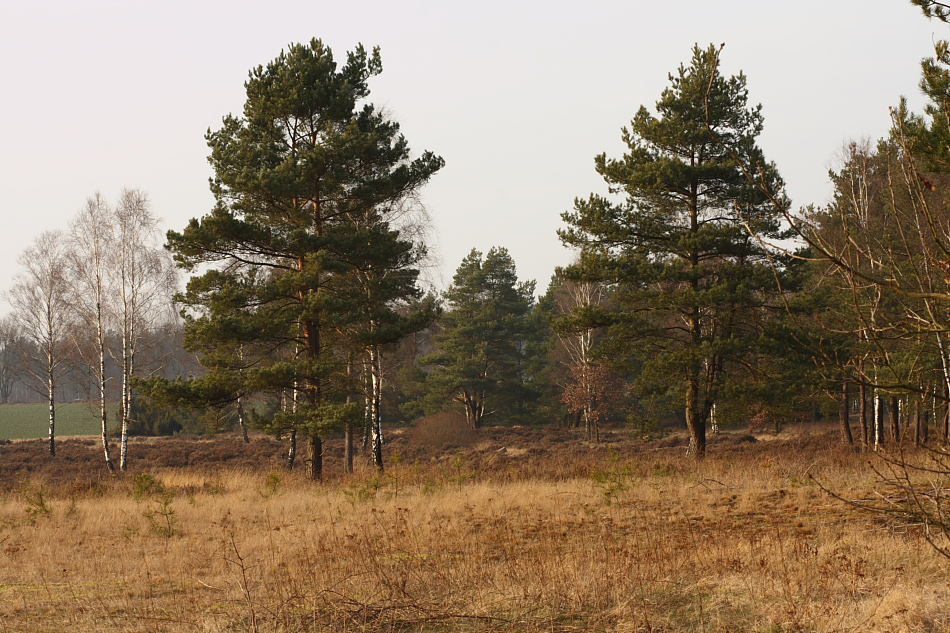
<point>539,536</point>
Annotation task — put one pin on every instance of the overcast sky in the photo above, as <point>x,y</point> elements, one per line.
<point>517,97</point>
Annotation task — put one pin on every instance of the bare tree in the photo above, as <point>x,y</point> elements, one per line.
<point>893,258</point>
<point>589,393</point>
<point>10,367</point>
<point>141,280</point>
<point>91,236</point>
<point>40,300</point>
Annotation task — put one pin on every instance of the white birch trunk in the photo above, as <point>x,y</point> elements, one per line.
<point>375,397</point>
<point>125,405</point>
<point>52,403</point>
<point>100,336</point>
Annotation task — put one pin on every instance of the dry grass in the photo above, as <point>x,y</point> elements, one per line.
<point>564,538</point>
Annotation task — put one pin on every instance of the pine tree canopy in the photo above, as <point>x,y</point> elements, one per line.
<point>679,243</point>
<point>310,185</point>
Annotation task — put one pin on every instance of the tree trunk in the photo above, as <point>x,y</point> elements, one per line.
<point>918,419</point>
<point>878,421</point>
<point>367,410</point>
<point>348,446</point>
<point>367,429</point>
<point>52,409</point>
<point>102,391</point>
<point>941,420</point>
<point>937,409</point>
<point>376,385</point>
<point>312,387</point>
<point>695,422</point>
<point>292,451</point>
<point>241,419</point>
<point>314,457</point>
<point>473,408</point>
<point>348,440</point>
<point>843,413</point>
<point>944,416</point>
<point>124,406</point>
<point>863,413</point>
<point>895,413</point>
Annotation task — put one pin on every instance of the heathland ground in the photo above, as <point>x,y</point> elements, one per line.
<point>511,529</point>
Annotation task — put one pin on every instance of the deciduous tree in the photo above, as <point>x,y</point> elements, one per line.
<point>11,338</point>
<point>141,282</point>
<point>90,243</point>
<point>40,298</point>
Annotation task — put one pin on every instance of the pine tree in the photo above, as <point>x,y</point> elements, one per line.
<point>690,276</point>
<point>483,336</point>
<point>296,179</point>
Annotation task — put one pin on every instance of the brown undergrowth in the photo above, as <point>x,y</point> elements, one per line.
<point>503,530</point>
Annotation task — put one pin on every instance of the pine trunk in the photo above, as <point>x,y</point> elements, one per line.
<point>843,412</point>
<point>694,420</point>
<point>895,413</point>
<point>315,457</point>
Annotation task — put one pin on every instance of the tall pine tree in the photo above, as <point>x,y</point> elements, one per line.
<point>305,183</point>
<point>690,277</point>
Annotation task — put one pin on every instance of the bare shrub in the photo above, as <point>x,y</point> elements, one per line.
<point>447,429</point>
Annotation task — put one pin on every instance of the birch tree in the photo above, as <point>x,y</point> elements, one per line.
<point>91,239</point>
<point>141,279</point>
<point>390,303</point>
<point>40,298</point>
<point>593,388</point>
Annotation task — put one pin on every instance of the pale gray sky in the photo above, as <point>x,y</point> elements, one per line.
<point>518,97</point>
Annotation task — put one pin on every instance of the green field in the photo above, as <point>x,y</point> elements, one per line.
<point>28,421</point>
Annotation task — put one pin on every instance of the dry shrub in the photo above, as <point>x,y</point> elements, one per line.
<point>444,430</point>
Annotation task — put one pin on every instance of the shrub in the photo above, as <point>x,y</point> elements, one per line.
<point>442,430</point>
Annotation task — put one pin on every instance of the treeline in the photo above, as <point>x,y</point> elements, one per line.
<point>161,352</point>
<point>697,296</point>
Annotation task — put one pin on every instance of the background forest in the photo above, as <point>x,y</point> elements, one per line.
<point>699,297</point>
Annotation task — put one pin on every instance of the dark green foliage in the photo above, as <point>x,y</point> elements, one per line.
<point>693,287</point>
<point>307,182</point>
<point>485,334</point>
<point>932,9</point>
<point>192,415</point>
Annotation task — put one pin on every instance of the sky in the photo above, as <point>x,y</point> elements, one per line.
<point>518,97</point>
